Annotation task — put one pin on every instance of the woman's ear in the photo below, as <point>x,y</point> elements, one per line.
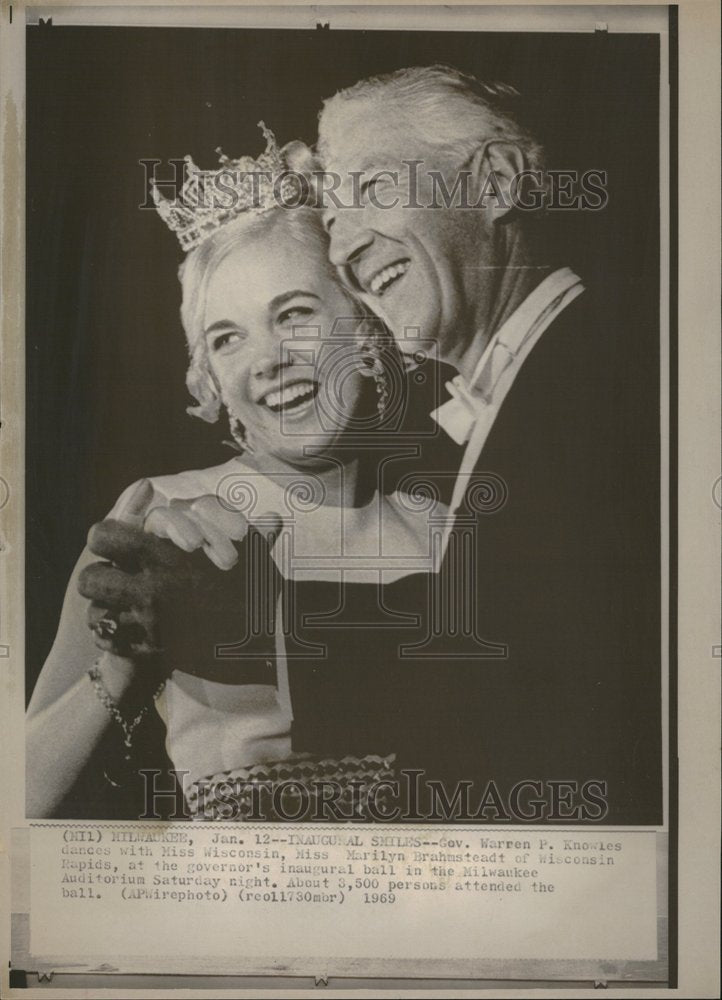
<point>495,168</point>
<point>301,159</point>
<point>202,387</point>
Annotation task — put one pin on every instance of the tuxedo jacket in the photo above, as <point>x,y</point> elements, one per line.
<point>534,654</point>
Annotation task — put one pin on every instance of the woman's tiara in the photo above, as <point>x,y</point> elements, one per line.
<point>209,199</point>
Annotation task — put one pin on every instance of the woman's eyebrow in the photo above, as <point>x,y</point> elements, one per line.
<point>284,297</point>
<point>220,324</point>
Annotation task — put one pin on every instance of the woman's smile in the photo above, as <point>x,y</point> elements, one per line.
<point>292,398</point>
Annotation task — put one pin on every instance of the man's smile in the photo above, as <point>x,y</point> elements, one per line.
<point>388,275</point>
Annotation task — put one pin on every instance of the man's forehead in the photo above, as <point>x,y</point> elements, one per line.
<point>347,153</point>
<point>367,138</point>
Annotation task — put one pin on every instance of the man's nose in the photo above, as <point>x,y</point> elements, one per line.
<point>348,234</point>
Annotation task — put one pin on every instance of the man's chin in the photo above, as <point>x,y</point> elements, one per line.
<point>412,331</point>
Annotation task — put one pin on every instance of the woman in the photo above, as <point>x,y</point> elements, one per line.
<point>306,381</point>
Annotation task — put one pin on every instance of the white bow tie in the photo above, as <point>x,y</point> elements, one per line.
<point>458,415</point>
<point>513,341</point>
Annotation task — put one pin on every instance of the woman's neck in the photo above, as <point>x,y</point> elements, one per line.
<point>335,476</point>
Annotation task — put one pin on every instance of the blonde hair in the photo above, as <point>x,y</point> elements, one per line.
<point>303,225</point>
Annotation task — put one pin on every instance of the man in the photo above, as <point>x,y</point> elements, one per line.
<point>540,671</point>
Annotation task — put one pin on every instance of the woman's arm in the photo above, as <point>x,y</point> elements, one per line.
<point>66,719</point>
<point>182,606</point>
<point>63,735</point>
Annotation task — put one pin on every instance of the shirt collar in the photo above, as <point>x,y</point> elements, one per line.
<point>540,307</point>
<point>513,332</point>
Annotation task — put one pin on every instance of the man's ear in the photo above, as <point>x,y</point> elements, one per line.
<point>494,166</point>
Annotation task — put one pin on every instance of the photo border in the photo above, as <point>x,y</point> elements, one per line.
<point>13,187</point>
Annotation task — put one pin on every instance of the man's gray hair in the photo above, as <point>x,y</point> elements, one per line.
<point>440,106</point>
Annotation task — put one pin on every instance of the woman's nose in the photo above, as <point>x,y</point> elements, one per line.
<point>272,358</point>
<point>267,362</point>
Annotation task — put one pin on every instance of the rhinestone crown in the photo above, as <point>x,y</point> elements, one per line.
<point>209,199</point>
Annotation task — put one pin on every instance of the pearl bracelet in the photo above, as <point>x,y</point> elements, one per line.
<point>128,726</point>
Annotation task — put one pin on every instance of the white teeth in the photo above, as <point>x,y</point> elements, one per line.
<point>287,394</point>
<point>379,281</point>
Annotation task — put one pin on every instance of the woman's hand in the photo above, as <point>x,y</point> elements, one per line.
<point>204,523</point>
<point>169,601</point>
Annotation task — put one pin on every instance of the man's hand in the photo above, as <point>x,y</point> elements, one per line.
<point>177,606</point>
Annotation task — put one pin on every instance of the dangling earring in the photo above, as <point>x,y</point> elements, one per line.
<point>372,350</point>
<point>240,438</point>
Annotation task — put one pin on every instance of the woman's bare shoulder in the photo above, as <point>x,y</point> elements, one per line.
<point>184,485</point>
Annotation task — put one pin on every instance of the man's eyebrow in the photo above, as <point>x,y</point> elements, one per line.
<point>378,164</point>
<point>284,297</point>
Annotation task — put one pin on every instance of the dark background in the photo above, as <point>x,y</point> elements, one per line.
<point>106,354</point>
